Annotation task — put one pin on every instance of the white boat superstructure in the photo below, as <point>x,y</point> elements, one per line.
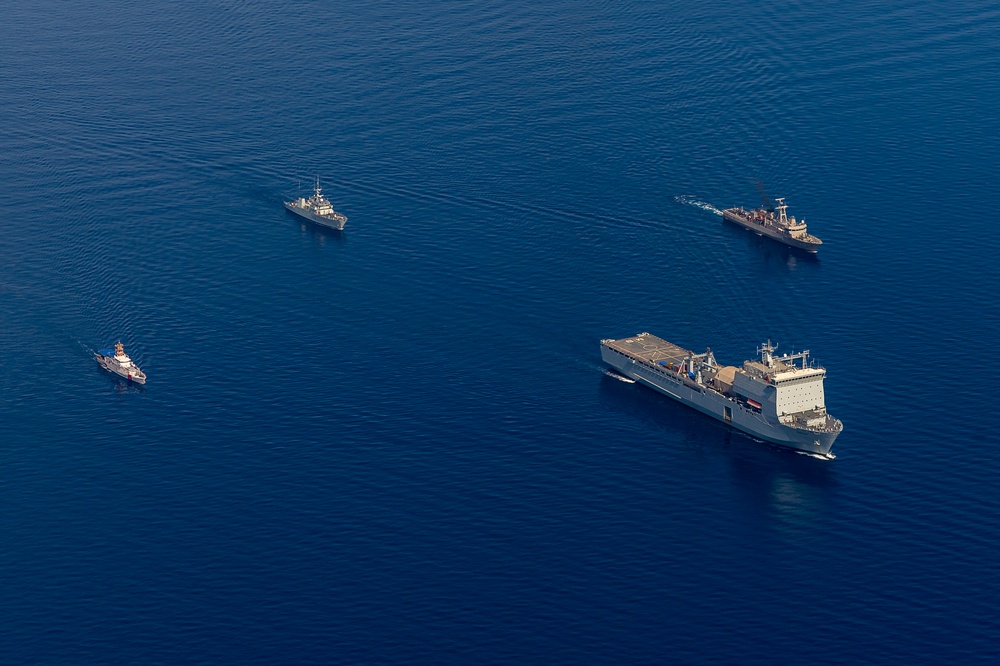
<point>318,209</point>
<point>119,363</point>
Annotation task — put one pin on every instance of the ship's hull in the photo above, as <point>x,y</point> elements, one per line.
<point>333,223</point>
<point>124,373</point>
<point>720,407</point>
<point>772,233</point>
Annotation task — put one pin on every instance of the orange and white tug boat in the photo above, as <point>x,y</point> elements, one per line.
<point>120,364</point>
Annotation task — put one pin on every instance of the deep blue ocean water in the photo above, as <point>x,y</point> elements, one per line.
<point>397,444</point>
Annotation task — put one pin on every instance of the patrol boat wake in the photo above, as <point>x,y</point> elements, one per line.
<point>120,364</point>
<point>318,209</point>
<point>773,398</point>
<point>780,227</point>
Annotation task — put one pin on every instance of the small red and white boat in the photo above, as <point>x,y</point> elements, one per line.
<point>120,364</point>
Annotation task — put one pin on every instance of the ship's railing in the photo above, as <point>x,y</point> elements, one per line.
<point>830,425</point>
<point>673,374</point>
<point>748,217</point>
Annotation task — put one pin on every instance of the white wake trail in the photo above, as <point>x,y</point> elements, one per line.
<point>693,201</point>
<point>621,378</point>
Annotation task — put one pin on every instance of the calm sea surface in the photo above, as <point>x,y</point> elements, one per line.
<point>397,444</point>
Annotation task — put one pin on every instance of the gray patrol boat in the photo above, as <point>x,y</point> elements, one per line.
<point>773,398</point>
<point>780,226</point>
<point>318,209</point>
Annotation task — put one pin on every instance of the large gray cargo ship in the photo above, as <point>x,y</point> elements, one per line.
<point>779,227</point>
<point>771,398</point>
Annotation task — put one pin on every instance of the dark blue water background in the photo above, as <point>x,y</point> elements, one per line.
<point>397,444</point>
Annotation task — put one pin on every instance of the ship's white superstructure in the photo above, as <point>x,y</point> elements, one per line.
<point>779,399</point>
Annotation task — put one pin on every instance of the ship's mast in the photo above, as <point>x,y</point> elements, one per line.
<point>766,350</point>
<point>802,356</point>
<point>781,210</point>
<point>318,190</point>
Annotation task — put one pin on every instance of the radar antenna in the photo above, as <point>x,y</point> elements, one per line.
<point>766,351</point>
<point>782,218</point>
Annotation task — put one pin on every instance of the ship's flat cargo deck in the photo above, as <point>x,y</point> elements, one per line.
<point>648,347</point>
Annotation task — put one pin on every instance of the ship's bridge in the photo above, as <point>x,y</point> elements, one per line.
<point>796,388</point>
<point>799,390</point>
